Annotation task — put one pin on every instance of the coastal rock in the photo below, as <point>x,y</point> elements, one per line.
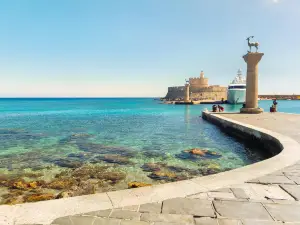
<point>117,159</point>
<point>63,194</point>
<point>38,197</point>
<point>155,154</point>
<point>136,184</point>
<point>68,163</point>
<point>61,183</point>
<point>103,149</point>
<point>152,167</point>
<point>158,175</point>
<point>89,171</point>
<point>73,138</point>
<point>178,169</point>
<point>112,177</point>
<point>195,154</point>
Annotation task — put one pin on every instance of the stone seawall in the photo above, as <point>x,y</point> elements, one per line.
<point>268,143</point>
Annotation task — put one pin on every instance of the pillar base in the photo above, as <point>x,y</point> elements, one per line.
<point>251,110</point>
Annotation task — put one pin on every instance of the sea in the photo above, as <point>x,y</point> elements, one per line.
<point>88,145</point>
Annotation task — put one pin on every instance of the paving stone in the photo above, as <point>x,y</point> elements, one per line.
<point>131,208</point>
<point>296,179</point>
<point>275,180</point>
<point>170,218</point>
<point>151,207</point>
<point>80,220</point>
<point>221,195</point>
<point>62,221</point>
<point>257,222</point>
<point>199,195</point>
<point>101,213</point>
<point>196,207</point>
<point>293,190</point>
<point>239,193</point>
<point>131,222</point>
<point>125,214</point>
<point>284,212</point>
<point>241,210</point>
<point>229,222</point>
<point>206,221</point>
<point>222,190</point>
<point>107,221</point>
<point>166,223</point>
<point>270,191</point>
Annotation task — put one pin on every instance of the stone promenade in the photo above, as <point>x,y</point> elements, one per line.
<point>268,200</point>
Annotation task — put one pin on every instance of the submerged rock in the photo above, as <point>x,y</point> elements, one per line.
<point>112,158</point>
<point>112,176</point>
<point>73,138</point>
<point>195,154</point>
<point>69,163</point>
<point>152,167</point>
<point>136,184</point>
<point>178,169</point>
<point>103,149</point>
<point>158,175</point>
<point>38,197</point>
<point>155,154</point>
<point>61,183</point>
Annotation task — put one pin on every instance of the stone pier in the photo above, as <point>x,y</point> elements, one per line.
<point>252,59</point>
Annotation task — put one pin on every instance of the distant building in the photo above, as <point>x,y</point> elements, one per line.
<point>199,90</point>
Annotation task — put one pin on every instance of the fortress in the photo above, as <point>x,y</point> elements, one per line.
<point>199,90</point>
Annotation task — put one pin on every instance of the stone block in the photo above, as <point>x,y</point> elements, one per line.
<point>132,222</point>
<point>101,213</point>
<point>106,221</point>
<point>166,223</point>
<point>284,212</point>
<point>269,179</point>
<point>260,222</point>
<point>206,221</point>
<point>239,193</point>
<point>294,178</point>
<point>79,220</point>
<point>170,218</point>
<point>199,195</point>
<point>293,190</point>
<point>131,208</point>
<point>241,210</point>
<point>62,221</point>
<point>151,207</point>
<point>222,190</point>
<point>125,214</point>
<point>270,191</point>
<point>196,207</point>
<point>221,195</point>
<point>229,222</point>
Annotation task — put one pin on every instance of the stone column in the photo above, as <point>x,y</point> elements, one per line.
<point>187,93</point>
<point>252,59</point>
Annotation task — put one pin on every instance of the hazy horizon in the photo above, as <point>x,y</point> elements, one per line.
<point>73,48</point>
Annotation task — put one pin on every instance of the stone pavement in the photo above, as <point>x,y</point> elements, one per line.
<point>268,200</point>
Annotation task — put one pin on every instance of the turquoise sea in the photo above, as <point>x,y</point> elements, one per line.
<point>68,147</point>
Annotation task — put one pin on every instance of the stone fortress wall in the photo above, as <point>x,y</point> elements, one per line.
<point>199,89</point>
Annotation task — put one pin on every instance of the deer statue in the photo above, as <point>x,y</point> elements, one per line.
<point>250,44</point>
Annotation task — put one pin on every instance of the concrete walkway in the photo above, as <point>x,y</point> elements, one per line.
<point>271,199</point>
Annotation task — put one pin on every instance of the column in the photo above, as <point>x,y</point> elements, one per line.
<point>252,59</point>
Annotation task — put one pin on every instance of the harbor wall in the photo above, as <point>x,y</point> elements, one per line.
<point>280,97</point>
<point>268,143</point>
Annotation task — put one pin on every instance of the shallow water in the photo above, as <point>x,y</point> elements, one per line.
<point>138,139</point>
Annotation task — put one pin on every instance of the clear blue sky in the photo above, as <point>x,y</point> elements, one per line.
<point>140,47</point>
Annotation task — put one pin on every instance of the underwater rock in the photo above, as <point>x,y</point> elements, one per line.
<point>112,177</point>
<point>38,197</point>
<point>136,184</point>
<point>22,185</point>
<point>81,155</point>
<point>61,183</point>
<point>158,175</point>
<point>74,138</point>
<point>68,163</point>
<point>89,171</point>
<point>13,197</point>
<point>178,169</point>
<point>112,158</point>
<point>103,149</point>
<point>84,188</point>
<point>32,175</point>
<point>211,168</point>
<point>155,154</point>
<point>152,167</point>
<point>195,154</point>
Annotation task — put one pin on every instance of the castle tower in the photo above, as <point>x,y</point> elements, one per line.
<point>202,75</point>
<point>187,93</point>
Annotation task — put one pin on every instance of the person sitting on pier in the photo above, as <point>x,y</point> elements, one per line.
<point>215,108</point>
<point>221,109</point>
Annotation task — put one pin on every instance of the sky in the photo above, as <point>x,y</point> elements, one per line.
<point>137,48</point>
